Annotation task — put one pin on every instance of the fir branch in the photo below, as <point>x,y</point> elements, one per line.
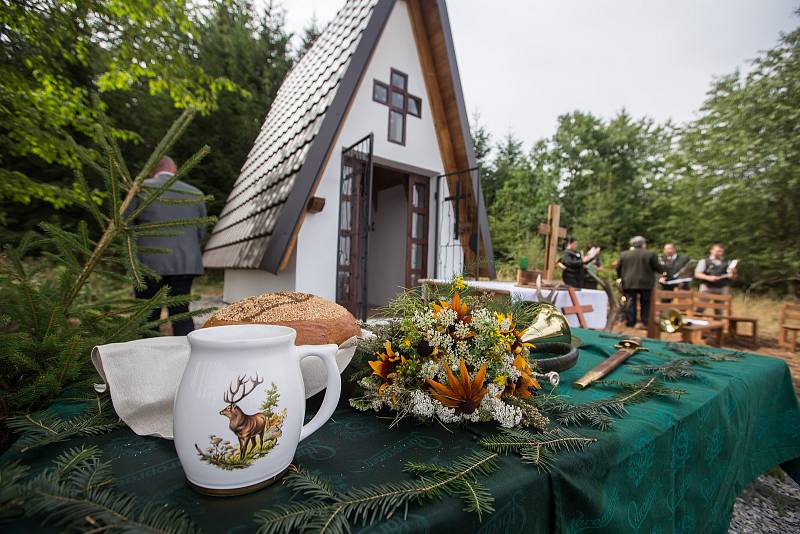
<point>330,511</point>
<point>77,494</point>
<point>633,393</point>
<point>175,131</point>
<point>539,449</point>
<point>672,370</point>
<point>47,427</point>
<point>11,490</point>
<point>158,192</point>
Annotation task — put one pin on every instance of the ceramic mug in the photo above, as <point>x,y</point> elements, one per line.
<point>240,406</point>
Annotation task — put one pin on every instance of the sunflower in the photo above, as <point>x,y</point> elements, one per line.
<point>464,394</point>
<point>521,387</point>
<point>386,364</point>
<point>460,308</point>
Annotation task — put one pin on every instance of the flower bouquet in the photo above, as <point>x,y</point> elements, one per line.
<point>454,358</point>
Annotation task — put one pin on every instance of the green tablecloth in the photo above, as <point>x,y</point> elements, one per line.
<point>672,465</point>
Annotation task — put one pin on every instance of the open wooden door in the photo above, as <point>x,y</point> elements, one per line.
<point>355,211</point>
<point>417,243</point>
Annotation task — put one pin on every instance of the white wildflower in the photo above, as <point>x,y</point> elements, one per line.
<point>429,369</point>
<point>463,330</point>
<point>445,414</point>
<point>508,416</point>
<point>423,319</point>
<point>447,317</point>
<point>422,404</point>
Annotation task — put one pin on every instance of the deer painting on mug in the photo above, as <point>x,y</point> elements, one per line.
<point>256,433</point>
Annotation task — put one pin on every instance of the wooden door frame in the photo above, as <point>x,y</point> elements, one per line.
<point>425,211</point>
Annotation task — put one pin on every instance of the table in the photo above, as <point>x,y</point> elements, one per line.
<point>693,332</point>
<point>597,299</point>
<point>672,465</point>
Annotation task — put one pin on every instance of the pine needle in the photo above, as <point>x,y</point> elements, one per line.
<point>328,511</point>
<point>536,448</point>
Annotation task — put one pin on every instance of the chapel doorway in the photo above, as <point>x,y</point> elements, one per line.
<point>383,234</point>
<point>398,237</point>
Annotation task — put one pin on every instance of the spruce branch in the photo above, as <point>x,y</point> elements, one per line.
<point>329,511</point>
<point>11,490</point>
<point>537,448</point>
<point>47,427</point>
<point>671,370</point>
<point>154,194</point>
<point>77,494</point>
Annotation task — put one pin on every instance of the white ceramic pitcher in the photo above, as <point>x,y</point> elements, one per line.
<point>240,406</point>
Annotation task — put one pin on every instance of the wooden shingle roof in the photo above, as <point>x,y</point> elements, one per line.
<point>259,224</point>
<point>275,162</point>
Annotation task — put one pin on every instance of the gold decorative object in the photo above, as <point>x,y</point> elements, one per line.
<point>549,326</point>
<point>670,320</point>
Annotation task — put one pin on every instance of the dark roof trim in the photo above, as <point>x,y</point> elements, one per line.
<point>292,213</point>
<point>483,220</point>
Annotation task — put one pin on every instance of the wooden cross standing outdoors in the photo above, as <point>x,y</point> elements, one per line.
<point>577,308</point>
<point>553,233</point>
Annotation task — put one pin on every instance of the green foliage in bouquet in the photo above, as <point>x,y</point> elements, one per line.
<point>56,308</point>
<point>452,359</point>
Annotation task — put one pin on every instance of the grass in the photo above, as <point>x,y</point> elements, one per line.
<point>766,308</point>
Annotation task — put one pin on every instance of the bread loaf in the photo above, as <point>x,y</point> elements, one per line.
<point>318,321</point>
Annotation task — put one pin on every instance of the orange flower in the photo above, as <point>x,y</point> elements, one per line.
<point>464,394</point>
<point>521,387</point>
<point>386,362</point>
<point>456,305</point>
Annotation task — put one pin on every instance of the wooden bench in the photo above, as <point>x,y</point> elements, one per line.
<point>683,301</point>
<point>720,307</point>
<point>790,325</point>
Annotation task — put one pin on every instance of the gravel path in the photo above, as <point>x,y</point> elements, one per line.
<point>769,504</point>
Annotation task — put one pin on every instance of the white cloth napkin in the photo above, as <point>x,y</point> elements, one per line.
<point>143,377</point>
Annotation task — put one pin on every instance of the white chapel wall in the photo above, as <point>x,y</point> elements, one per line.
<point>242,283</point>
<point>317,242</point>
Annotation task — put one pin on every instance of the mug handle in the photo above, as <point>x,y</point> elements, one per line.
<point>327,353</point>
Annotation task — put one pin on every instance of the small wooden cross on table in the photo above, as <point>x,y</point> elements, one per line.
<point>577,308</point>
<point>553,232</point>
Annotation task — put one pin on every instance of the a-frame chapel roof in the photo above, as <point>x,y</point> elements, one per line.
<point>264,211</point>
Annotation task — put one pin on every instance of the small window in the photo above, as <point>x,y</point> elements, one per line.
<point>414,106</point>
<point>397,127</point>
<point>398,80</point>
<point>380,92</point>
<point>397,101</point>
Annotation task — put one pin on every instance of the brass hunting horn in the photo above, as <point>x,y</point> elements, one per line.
<point>552,338</point>
<point>670,320</point>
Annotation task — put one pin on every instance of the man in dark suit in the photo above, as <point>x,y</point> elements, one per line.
<point>673,264</point>
<point>184,261</point>
<point>574,263</point>
<point>638,268</point>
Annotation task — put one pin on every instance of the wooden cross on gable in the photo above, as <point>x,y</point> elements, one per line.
<point>553,233</point>
<point>401,103</point>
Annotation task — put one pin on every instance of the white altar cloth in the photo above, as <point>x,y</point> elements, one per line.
<point>595,298</point>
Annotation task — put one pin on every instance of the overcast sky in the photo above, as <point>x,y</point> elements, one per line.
<point>524,62</point>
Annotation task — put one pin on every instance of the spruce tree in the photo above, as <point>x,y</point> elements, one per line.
<point>64,292</point>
